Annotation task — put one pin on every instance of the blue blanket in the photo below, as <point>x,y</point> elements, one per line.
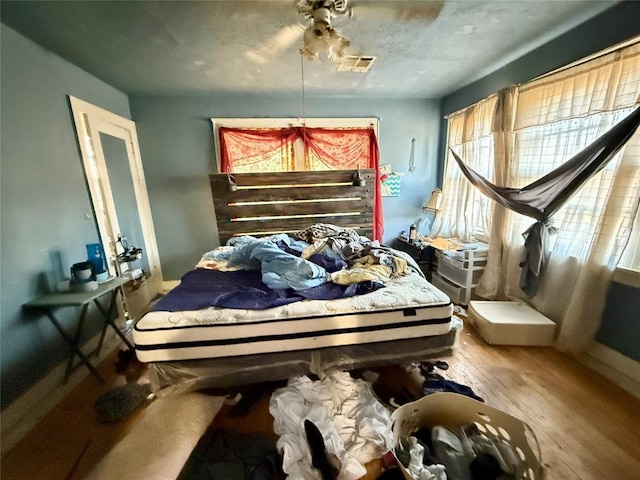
<point>202,288</point>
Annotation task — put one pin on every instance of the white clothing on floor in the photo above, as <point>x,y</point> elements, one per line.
<point>353,423</point>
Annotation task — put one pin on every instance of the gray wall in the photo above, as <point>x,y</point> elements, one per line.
<point>177,145</point>
<point>615,25</point>
<point>45,207</point>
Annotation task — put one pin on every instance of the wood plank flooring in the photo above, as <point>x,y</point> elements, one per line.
<point>587,426</point>
<point>69,441</point>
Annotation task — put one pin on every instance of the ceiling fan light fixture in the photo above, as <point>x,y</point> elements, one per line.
<point>307,8</point>
<point>320,36</point>
<point>322,15</point>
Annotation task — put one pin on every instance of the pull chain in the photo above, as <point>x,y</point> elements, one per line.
<point>304,116</point>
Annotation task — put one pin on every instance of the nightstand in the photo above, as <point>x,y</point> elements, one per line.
<point>422,253</point>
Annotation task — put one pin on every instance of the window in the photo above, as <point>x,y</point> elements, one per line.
<point>534,128</point>
<point>279,144</point>
<point>631,257</point>
<point>520,134</point>
<point>465,212</point>
<point>539,150</point>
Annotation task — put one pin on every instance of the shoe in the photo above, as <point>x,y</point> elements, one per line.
<point>319,455</point>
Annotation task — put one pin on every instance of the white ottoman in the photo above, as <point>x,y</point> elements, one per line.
<point>510,323</point>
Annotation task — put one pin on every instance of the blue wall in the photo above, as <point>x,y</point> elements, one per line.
<point>45,206</point>
<point>620,327</point>
<point>46,213</point>
<point>612,26</point>
<point>176,140</point>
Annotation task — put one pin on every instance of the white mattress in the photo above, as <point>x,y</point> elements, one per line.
<point>408,307</point>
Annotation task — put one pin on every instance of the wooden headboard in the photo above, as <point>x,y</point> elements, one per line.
<point>268,203</point>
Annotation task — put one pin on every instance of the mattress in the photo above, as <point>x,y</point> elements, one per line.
<point>175,377</point>
<point>407,307</point>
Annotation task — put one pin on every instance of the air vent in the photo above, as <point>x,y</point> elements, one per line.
<point>354,63</point>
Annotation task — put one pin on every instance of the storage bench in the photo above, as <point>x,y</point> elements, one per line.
<point>510,323</point>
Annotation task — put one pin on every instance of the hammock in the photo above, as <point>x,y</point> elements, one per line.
<point>542,198</point>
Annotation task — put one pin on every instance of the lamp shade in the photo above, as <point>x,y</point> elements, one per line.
<point>433,205</point>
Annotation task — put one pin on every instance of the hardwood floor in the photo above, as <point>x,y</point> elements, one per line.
<point>69,441</point>
<point>587,426</point>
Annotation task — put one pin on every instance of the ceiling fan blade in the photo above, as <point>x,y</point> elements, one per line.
<point>274,46</point>
<point>406,10</point>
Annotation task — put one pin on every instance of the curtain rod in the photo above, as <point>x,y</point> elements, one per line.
<point>607,51</point>
<point>462,110</point>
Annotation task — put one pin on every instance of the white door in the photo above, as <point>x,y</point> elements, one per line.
<point>113,168</point>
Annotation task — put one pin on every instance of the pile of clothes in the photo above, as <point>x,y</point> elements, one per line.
<point>458,453</point>
<point>345,424</point>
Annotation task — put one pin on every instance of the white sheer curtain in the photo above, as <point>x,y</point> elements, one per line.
<point>554,118</point>
<point>517,136</point>
<point>465,212</point>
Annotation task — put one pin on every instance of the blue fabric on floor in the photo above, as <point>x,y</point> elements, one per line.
<point>437,383</point>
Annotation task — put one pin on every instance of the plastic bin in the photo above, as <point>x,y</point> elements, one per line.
<point>452,410</point>
<point>457,272</point>
<point>456,293</point>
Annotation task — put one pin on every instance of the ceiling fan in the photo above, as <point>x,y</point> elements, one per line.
<point>320,36</point>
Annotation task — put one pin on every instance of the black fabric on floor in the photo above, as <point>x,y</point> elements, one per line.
<point>227,455</point>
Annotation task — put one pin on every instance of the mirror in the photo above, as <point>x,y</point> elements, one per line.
<point>113,169</point>
<point>122,189</point>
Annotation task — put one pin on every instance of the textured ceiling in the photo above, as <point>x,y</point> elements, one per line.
<point>425,49</point>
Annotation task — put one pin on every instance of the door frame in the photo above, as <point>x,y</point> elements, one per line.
<point>90,121</point>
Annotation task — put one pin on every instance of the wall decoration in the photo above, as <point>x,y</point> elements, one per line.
<point>412,156</point>
<point>390,181</point>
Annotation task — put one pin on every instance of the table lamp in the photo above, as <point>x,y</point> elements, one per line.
<point>431,207</point>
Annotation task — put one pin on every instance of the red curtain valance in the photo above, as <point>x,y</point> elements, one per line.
<point>237,144</point>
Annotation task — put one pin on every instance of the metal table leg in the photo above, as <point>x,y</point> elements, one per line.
<point>108,320</point>
<point>73,343</point>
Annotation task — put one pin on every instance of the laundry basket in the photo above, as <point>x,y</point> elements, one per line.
<point>452,409</point>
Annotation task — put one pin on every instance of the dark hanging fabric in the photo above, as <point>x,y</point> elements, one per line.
<point>542,198</point>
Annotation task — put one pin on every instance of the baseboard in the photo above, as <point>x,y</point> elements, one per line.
<point>627,277</point>
<point>17,419</point>
<point>169,285</point>
<point>615,366</point>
